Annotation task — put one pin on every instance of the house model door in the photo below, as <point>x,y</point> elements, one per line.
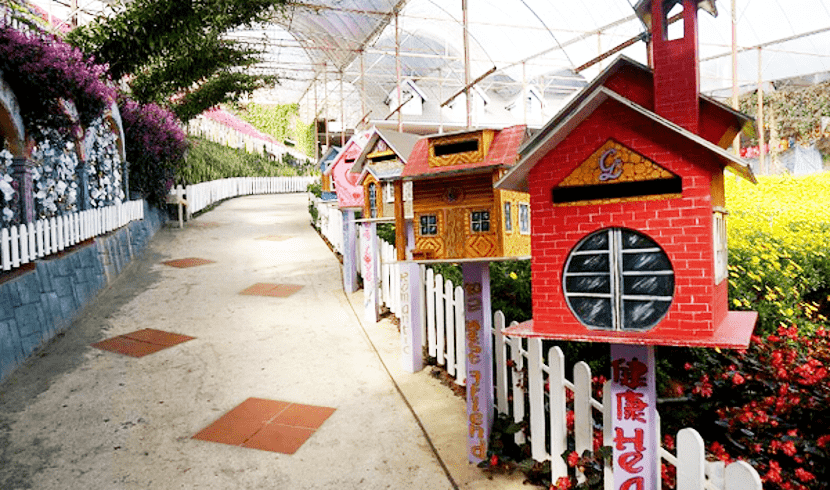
<point>456,233</point>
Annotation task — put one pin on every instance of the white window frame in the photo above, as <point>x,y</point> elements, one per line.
<point>389,192</point>
<point>524,224</point>
<point>508,218</point>
<point>721,248</point>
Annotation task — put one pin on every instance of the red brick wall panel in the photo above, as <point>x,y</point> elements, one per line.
<point>682,226</point>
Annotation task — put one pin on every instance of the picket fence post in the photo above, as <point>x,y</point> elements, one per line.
<point>431,279</point>
<point>5,251</point>
<point>460,338</point>
<point>558,412</point>
<point>537,400</point>
<point>518,389</point>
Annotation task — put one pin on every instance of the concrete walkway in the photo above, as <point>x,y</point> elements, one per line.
<point>75,417</point>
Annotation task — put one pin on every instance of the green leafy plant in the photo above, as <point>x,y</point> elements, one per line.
<point>211,161</point>
<point>167,48</point>
<point>280,121</point>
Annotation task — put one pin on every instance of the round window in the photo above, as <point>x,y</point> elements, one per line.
<point>618,279</point>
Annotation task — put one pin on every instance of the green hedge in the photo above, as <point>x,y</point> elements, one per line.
<point>210,161</point>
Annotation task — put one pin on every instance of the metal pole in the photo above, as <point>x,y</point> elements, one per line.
<point>326,102</point>
<point>736,144</point>
<point>398,69</point>
<point>316,129</point>
<point>759,121</point>
<point>342,114</point>
<point>524,93</point>
<point>467,66</point>
<point>362,86</point>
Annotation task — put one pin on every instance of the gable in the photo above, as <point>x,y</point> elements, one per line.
<point>615,173</point>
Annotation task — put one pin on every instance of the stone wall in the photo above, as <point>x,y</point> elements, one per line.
<point>43,301</point>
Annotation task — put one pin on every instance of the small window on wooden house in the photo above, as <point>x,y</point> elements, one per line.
<point>383,158</point>
<point>480,221</point>
<point>721,251</point>
<point>389,192</point>
<point>456,147</point>
<point>524,219</point>
<point>508,218</point>
<point>373,200</point>
<point>429,225</point>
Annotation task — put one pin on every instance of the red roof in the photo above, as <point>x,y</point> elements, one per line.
<point>504,150</point>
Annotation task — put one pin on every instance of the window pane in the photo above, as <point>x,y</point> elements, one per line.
<point>597,241</point>
<point>631,240</point>
<point>589,263</point>
<point>476,226</point>
<point>649,285</point>
<point>594,312</point>
<point>650,261</point>
<point>485,226</point>
<point>588,284</point>
<point>642,315</point>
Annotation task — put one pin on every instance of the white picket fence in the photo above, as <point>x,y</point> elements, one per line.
<point>444,339</point>
<point>28,242</point>
<point>330,223</point>
<point>199,196</point>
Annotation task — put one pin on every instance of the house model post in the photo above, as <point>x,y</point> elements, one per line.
<point>460,218</point>
<point>349,199</point>
<point>379,167</point>
<point>629,215</point>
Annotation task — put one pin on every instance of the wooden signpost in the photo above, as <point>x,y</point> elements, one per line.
<point>478,324</point>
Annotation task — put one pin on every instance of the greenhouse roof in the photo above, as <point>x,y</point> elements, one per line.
<point>337,57</point>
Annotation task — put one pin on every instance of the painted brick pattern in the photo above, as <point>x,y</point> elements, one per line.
<point>39,304</point>
<point>681,226</point>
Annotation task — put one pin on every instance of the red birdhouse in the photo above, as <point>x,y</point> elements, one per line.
<point>628,233</point>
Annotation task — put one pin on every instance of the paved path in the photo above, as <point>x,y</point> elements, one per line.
<point>75,417</point>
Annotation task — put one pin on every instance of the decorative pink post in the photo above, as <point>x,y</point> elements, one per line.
<point>411,290</point>
<point>478,325</point>
<point>349,262</point>
<point>369,256</point>
<point>634,415</point>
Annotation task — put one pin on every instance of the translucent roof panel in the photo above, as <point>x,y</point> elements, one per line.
<point>338,56</point>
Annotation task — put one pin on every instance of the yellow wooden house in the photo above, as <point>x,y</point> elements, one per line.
<point>457,213</point>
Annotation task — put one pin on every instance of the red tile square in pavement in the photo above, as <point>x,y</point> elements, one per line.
<point>128,347</point>
<point>267,425</point>
<point>258,289</point>
<point>273,290</point>
<point>158,337</point>
<point>188,262</point>
<point>279,438</point>
<point>241,423</point>
<point>307,416</point>
<point>283,290</point>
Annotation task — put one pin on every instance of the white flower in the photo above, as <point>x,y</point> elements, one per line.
<point>6,188</point>
<point>8,214</point>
